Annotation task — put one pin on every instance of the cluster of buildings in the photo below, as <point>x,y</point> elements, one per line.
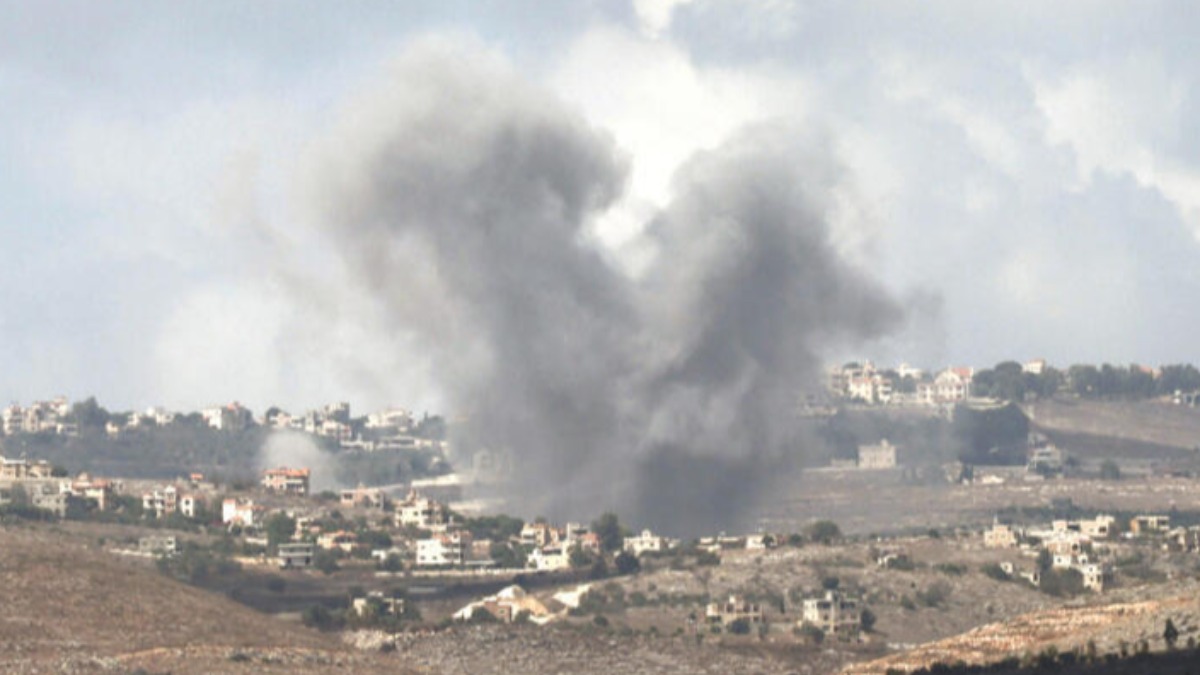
<point>1081,545</point>
<point>904,385</point>
<point>52,417</point>
<point>388,429</point>
<point>36,482</point>
<point>833,613</point>
<point>865,383</point>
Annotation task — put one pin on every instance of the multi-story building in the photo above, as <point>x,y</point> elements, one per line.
<point>646,542</point>
<point>881,456</point>
<point>834,613</point>
<point>163,502</point>
<point>420,512</point>
<point>447,549</point>
<point>240,512</point>
<point>1001,536</point>
<point>363,497</point>
<point>232,417</point>
<point>287,480</point>
<point>23,469</point>
<point>298,555</point>
<point>737,607</point>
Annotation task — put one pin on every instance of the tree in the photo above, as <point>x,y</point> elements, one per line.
<point>627,563</point>
<point>823,531</point>
<point>740,627</point>
<point>608,528</point>
<point>599,569</point>
<point>508,556</point>
<point>325,561</point>
<point>1170,634</point>
<point>867,619</point>
<point>89,415</point>
<point>1110,470</point>
<point>279,528</point>
<point>317,616</point>
<point>580,558</point>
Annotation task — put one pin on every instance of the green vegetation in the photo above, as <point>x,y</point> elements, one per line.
<point>1110,470</point>
<point>1009,382</point>
<point>823,532</point>
<point>994,571</point>
<point>935,595</point>
<point>951,569</point>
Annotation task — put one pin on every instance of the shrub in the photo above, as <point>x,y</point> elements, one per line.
<point>994,571</point>
<point>951,569</point>
<point>936,594</point>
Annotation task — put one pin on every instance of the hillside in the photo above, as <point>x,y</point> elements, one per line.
<point>1111,626</point>
<point>69,607</point>
<point>1154,423</point>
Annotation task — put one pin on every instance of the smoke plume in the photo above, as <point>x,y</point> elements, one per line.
<point>293,449</point>
<point>462,197</point>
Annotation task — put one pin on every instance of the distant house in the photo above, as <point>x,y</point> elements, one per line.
<point>1100,527</point>
<point>540,534</point>
<point>508,605</point>
<point>1149,524</point>
<point>23,469</point>
<point>1001,536</point>
<point>1094,576</point>
<point>342,540</point>
<point>1047,459</point>
<point>881,456</point>
<point>233,417</point>
<point>98,490</point>
<point>834,613</point>
<point>733,609</point>
<point>377,604</point>
<point>442,550</point>
<point>158,545</point>
<point>420,512</point>
<point>240,512</point>
<point>161,502</point>
<point>298,555</point>
<point>363,497</point>
<point>952,385</point>
<point>549,559</point>
<point>646,542</point>
<point>287,480</point>
<point>50,500</point>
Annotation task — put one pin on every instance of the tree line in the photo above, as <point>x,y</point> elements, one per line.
<point>1009,381</point>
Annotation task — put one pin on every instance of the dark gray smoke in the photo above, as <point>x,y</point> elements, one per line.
<point>462,197</point>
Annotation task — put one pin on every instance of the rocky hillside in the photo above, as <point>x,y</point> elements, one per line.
<point>1113,628</point>
<point>69,607</point>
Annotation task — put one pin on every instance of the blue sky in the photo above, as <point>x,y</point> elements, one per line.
<point>1026,173</point>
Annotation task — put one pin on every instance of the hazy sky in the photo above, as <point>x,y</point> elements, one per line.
<point>1026,174</point>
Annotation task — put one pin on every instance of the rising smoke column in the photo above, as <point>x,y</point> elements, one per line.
<point>462,196</point>
<point>745,291</point>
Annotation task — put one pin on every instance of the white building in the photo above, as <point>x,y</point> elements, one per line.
<point>448,549</point>
<point>881,456</point>
<point>240,512</point>
<point>834,613</point>
<point>646,542</point>
<point>549,559</point>
<point>162,502</point>
<point>420,512</point>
